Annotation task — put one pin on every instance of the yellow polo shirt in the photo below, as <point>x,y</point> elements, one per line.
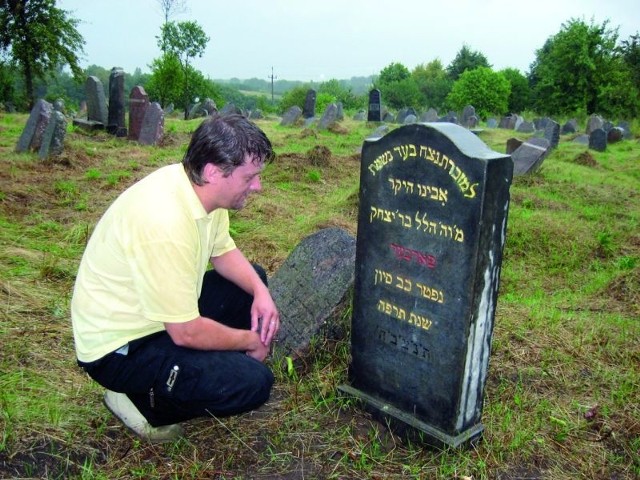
<point>144,263</point>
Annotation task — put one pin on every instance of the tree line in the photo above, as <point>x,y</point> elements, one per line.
<point>583,69</point>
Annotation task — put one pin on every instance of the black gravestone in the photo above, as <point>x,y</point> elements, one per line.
<point>309,110</point>
<point>375,106</point>
<point>431,228</point>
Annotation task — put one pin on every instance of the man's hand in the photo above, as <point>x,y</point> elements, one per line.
<point>265,318</point>
<point>258,350</point>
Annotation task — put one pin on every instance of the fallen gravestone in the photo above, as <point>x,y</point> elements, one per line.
<point>374,113</point>
<point>528,157</point>
<point>310,286</point>
<point>431,228</point>
<point>31,137</point>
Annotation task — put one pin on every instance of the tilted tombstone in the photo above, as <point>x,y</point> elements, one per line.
<point>552,133</point>
<point>116,111</point>
<point>310,286</point>
<point>31,136</point>
<point>431,229</point>
<point>598,140</point>
<point>512,144</point>
<point>138,102</point>
<point>53,138</point>
<point>570,126</point>
<point>329,117</point>
<point>96,103</point>
<point>291,116</point>
<point>528,157</point>
<point>197,110</point>
<point>525,127</point>
<point>615,135</point>
<point>152,125</point>
<point>309,109</point>
<point>374,113</point>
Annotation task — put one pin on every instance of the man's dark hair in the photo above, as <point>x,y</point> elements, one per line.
<point>225,141</point>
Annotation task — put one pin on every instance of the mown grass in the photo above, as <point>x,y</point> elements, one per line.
<point>562,395</point>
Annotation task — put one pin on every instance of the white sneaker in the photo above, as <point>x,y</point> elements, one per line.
<point>126,411</point>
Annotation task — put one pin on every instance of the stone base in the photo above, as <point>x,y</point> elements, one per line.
<point>88,125</point>
<point>410,427</point>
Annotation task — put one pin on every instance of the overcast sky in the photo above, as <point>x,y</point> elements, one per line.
<point>316,40</point>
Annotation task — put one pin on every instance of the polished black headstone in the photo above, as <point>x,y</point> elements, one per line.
<point>309,108</point>
<point>375,106</point>
<point>431,228</point>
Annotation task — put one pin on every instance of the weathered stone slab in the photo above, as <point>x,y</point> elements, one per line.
<point>31,136</point>
<point>528,157</point>
<point>53,138</point>
<point>310,285</point>
<point>329,117</point>
<point>431,228</point>
<point>116,110</point>
<point>152,125</point>
<point>430,115</point>
<point>96,103</point>
<point>552,133</point>
<point>138,102</point>
<point>291,116</point>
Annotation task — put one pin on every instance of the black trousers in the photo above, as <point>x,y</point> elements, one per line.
<point>171,384</point>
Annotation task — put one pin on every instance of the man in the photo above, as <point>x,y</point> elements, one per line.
<point>168,339</point>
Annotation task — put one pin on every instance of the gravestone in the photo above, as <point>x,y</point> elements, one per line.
<point>430,115</point>
<point>53,138</point>
<point>138,102</point>
<point>492,123</point>
<point>96,103</point>
<point>431,228</point>
<point>570,126</point>
<point>360,116</point>
<point>598,140</point>
<point>467,112</point>
<point>404,113</point>
<point>374,113</point>
<point>508,122</point>
<point>329,117</point>
<point>528,157</point>
<point>512,144</point>
<point>309,109</point>
<point>152,125</point>
<point>115,123</point>
<point>552,133</point>
<point>31,136</point>
<point>340,112</point>
<point>209,106</point>
<point>411,118</point>
<point>525,127</point>
<point>310,286</point>
<point>291,116</point>
<point>593,123</point>
<point>615,135</point>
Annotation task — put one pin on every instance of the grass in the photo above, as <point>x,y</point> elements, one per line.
<point>562,397</point>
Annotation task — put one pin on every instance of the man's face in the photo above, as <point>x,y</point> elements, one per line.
<point>244,180</point>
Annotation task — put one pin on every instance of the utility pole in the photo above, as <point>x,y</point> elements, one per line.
<point>272,78</point>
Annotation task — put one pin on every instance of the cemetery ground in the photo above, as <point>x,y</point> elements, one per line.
<point>563,391</point>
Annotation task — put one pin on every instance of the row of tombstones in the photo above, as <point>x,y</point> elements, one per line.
<point>146,119</point>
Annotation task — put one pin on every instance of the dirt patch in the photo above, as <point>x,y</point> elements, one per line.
<point>586,159</point>
<point>319,156</point>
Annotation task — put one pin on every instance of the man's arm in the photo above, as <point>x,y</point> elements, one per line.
<point>204,333</point>
<point>264,314</point>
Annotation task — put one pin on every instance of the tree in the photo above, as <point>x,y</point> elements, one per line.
<point>578,71</point>
<point>433,82</point>
<point>466,59</point>
<point>483,88</point>
<point>40,39</point>
<point>397,87</point>
<point>184,40</point>
<point>520,91</point>
<point>630,50</point>
<point>393,72</point>
<point>170,8</point>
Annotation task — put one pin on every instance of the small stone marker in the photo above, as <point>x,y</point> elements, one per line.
<point>310,285</point>
<point>598,140</point>
<point>374,113</point>
<point>96,103</point>
<point>291,116</point>
<point>138,102</point>
<point>152,125</point>
<point>53,138</point>
<point>431,228</point>
<point>309,109</point>
<point>31,137</point>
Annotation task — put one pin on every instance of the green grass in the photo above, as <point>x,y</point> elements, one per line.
<point>562,397</point>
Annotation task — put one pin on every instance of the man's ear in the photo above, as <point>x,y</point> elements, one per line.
<point>211,173</point>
